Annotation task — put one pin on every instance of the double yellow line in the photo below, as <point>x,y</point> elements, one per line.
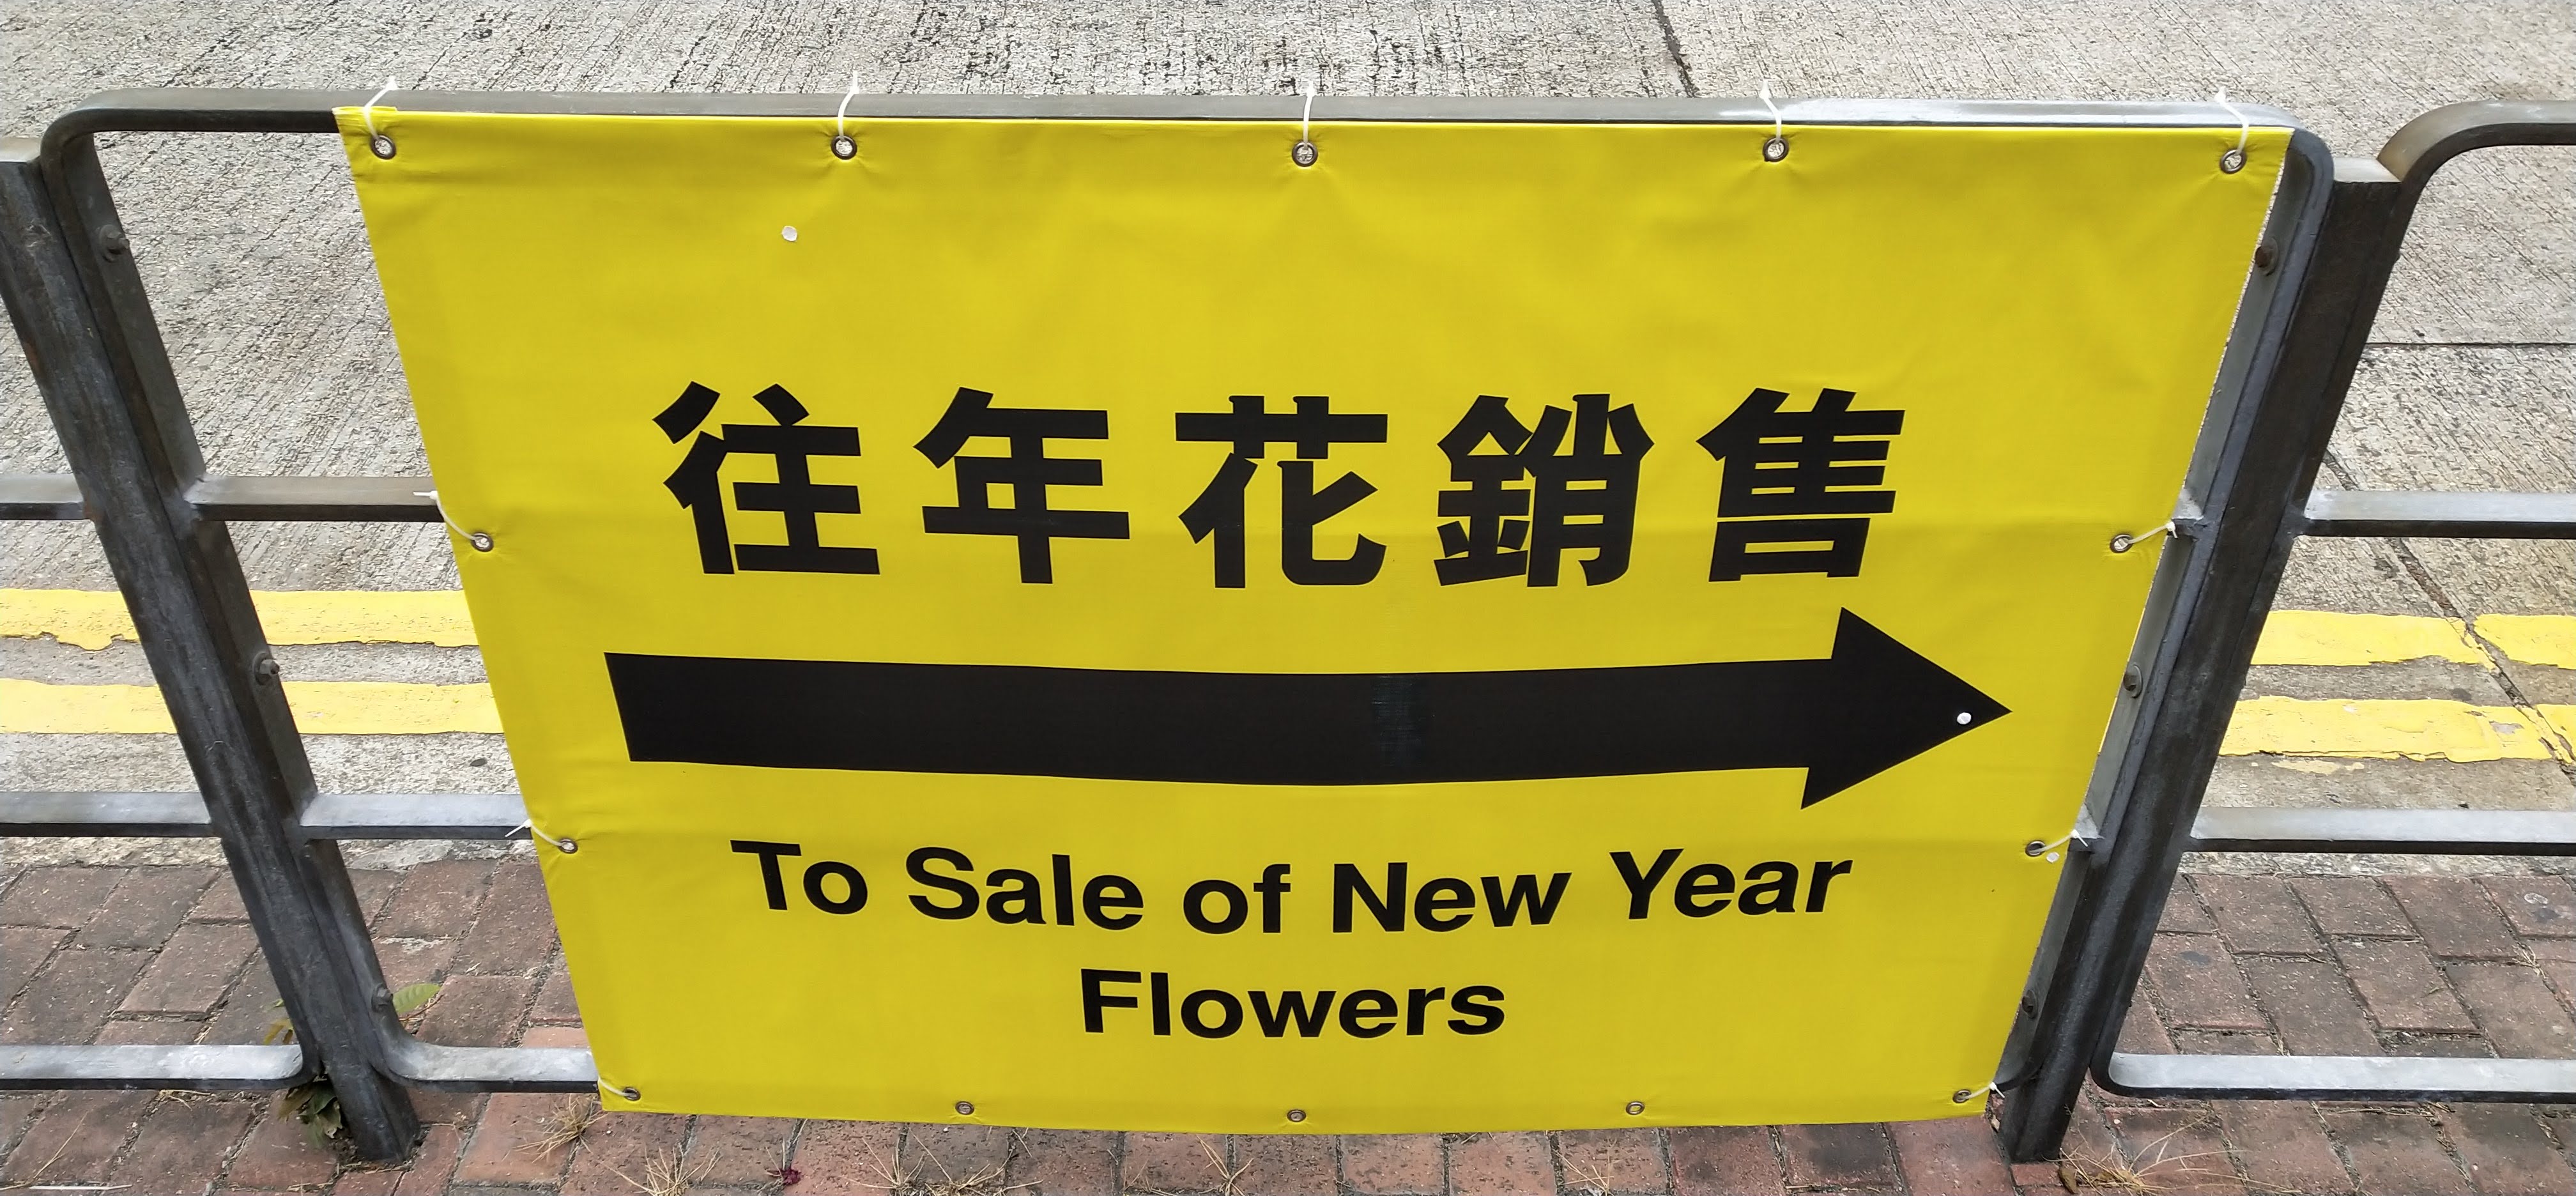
<point>2372,729</point>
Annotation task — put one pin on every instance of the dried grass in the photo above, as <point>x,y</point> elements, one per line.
<point>669,1173</point>
<point>1597,1183</point>
<point>896,1179</point>
<point>1229,1180</point>
<point>565,1126</point>
<point>2152,1168</point>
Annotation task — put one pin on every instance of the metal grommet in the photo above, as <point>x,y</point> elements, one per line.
<point>2231,161</point>
<point>2034,847</point>
<point>2131,682</point>
<point>566,846</point>
<point>1296,1115</point>
<point>630,1094</point>
<point>1304,153</point>
<point>482,541</point>
<point>1963,1096</point>
<point>383,145</point>
<point>2123,542</point>
<point>965,1108</point>
<point>1774,148</point>
<point>1636,1108</point>
<point>2266,257</point>
<point>843,147</point>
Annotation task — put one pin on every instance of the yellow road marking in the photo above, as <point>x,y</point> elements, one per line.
<point>2533,639</point>
<point>2377,729</point>
<point>2390,729</point>
<point>91,618</point>
<point>2333,638</point>
<point>321,708</point>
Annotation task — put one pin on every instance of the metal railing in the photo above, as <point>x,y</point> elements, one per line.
<point>2112,895</point>
<point>72,289</point>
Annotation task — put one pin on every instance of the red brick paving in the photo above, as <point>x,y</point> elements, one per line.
<point>2349,965</point>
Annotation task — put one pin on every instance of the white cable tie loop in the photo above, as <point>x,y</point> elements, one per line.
<point>2049,851</point>
<point>2234,160</point>
<point>482,541</point>
<point>1304,152</point>
<point>844,146</point>
<point>2244,124</point>
<point>1965,1095</point>
<point>2125,541</point>
<point>1777,147</point>
<point>367,111</point>
<point>565,846</point>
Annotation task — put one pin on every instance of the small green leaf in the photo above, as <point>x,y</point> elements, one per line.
<point>412,996</point>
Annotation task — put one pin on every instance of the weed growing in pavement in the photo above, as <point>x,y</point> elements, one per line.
<point>566,1124</point>
<point>2149,1169</point>
<point>314,1102</point>
<point>1597,1183</point>
<point>896,1179</point>
<point>669,1173</point>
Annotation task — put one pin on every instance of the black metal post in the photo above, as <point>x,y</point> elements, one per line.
<point>2256,499</point>
<point>68,276</point>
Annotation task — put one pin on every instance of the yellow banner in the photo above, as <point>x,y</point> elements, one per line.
<point>1093,623</point>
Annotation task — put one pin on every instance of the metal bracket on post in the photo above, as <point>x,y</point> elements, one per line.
<point>67,272</point>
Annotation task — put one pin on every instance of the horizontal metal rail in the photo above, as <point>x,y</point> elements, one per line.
<point>236,1067</point>
<point>307,500</point>
<point>2443,513</point>
<point>438,1068</point>
<point>2340,1077</point>
<point>327,816</point>
<point>2403,832</point>
<point>286,110</point>
<point>357,500</point>
<point>196,1067</point>
<point>40,496</point>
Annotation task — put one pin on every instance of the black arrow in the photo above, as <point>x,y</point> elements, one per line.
<point>1872,705</point>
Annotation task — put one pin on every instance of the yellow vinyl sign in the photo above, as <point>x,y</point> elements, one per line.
<point>1093,623</point>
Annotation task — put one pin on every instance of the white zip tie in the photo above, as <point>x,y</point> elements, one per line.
<point>844,146</point>
<point>367,112</point>
<point>482,541</point>
<point>1965,1095</point>
<point>2234,160</point>
<point>2124,541</point>
<point>1777,147</point>
<point>2050,851</point>
<point>1304,152</point>
<point>565,846</point>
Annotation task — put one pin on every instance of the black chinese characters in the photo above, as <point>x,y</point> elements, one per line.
<point>1028,471</point>
<point>1585,497</point>
<point>1314,428</point>
<point>1785,468</point>
<point>1796,487</point>
<point>792,443</point>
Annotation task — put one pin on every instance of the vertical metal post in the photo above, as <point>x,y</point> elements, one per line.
<point>2255,498</point>
<point>71,287</point>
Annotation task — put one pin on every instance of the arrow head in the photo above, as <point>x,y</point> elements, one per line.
<point>1887,705</point>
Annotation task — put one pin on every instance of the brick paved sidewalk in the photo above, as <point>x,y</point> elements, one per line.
<point>2399,965</point>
